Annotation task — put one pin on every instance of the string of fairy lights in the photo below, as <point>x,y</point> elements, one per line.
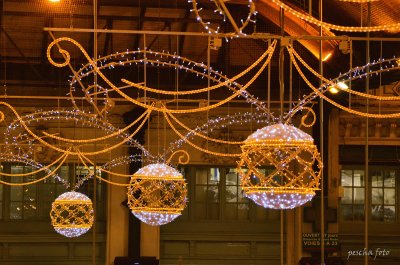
<point>221,10</point>
<point>279,165</point>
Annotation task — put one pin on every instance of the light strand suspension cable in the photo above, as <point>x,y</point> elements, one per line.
<point>366,147</point>
<point>166,114</point>
<point>95,83</point>
<point>321,136</point>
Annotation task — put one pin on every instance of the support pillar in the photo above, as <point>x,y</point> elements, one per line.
<point>149,241</point>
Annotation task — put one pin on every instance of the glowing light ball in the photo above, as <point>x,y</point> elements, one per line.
<point>72,214</point>
<point>157,194</point>
<point>280,167</point>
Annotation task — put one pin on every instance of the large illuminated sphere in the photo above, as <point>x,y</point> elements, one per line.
<point>157,194</point>
<point>72,214</point>
<point>280,167</point>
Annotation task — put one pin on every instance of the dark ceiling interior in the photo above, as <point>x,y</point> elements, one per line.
<point>24,68</point>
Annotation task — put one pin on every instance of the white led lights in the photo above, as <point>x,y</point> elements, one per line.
<point>155,219</point>
<point>279,201</point>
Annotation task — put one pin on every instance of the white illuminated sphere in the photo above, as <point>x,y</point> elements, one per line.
<point>157,194</point>
<point>280,167</point>
<point>72,214</point>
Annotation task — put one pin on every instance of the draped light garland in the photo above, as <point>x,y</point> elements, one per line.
<point>49,171</point>
<point>16,136</point>
<point>353,74</point>
<point>157,192</point>
<point>163,59</point>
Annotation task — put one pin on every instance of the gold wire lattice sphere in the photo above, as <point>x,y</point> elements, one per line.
<point>280,167</point>
<point>157,194</point>
<point>72,214</point>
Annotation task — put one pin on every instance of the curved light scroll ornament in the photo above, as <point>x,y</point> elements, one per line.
<point>308,119</point>
<point>72,214</point>
<point>280,167</point>
<point>157,194</point>
<point>183,158</point>
<point>161,59</point>
<point>222,10</point>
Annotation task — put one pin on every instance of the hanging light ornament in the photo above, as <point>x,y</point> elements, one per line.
<point>277,167</point>
<point>72,214</point>
<point>157,194</point>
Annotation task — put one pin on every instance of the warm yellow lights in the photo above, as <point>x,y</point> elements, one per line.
<point>94,66</point>
<point>327,57</point>
<point>334,89</point>
<point>294,56</point>
<point>54,1</point>
<point>311,19</point>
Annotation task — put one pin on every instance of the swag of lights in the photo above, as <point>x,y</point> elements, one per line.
<point>20,130</point>
<point>91,120</point>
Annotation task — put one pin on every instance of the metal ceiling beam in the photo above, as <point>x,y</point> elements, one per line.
<point>230,18</point>
<point>108,39</point>
<point>183,29</point>
<point>156,38</point>
<point>91,38</point>
<point>45,40</point>
<point>105,17</point>
<point>163,3</point>
<point>139,26</point>
<point>127,3</point>
<point>295,26</point>
<point>258,35</point>
<point>26,59</point>
<point>147,3</point>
